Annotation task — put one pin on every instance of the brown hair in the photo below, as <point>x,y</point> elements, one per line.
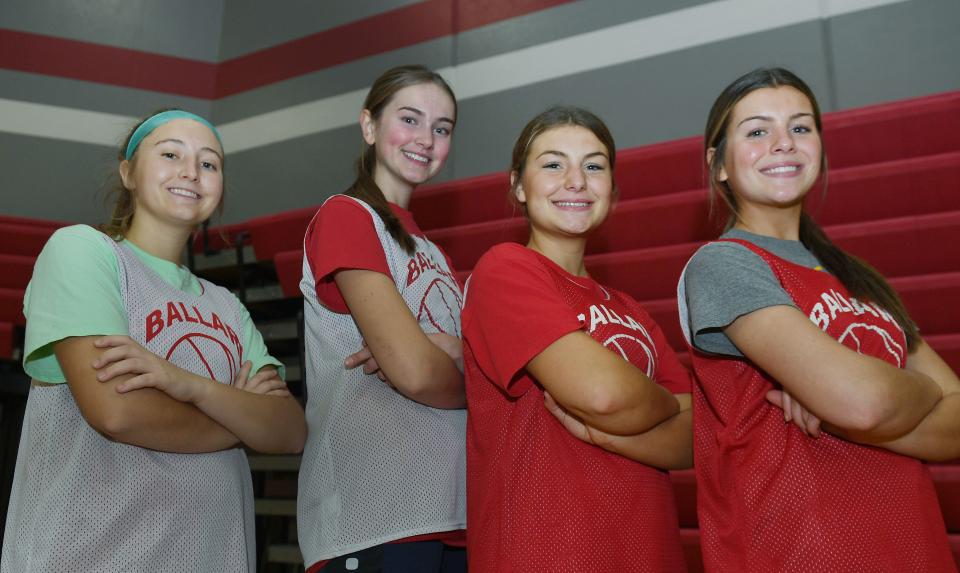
<point>364,187</point>
<point>861,279</point>
<point>557,116</point>
<point>121,215</point>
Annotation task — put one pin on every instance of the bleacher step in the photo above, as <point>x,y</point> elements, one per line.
<point>223,258</point>
<point>280,507</point>
<point>264,293</point>
<point>277,329</point>
<point>292,365</point>
<point>274,462</point>
<point>284,553</point>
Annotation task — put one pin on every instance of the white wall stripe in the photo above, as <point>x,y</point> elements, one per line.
<point>640,39</point>
<point>292,122</point>
<point>831,8</point>
<point>63,123</point>
<point>631,41</point>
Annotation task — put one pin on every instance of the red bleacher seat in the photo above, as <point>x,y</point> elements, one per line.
<point>6,340</point>
<point>654,221</point>
<point>660,168</point>
<point>272,234</point>
<point>11,306</point>
<point>23,239</point>
<point>899,188</point>
<point>465,244</point>
<point>470,200</point>
<point>15,220</point>
<point>946,478</point>
<point>928,299</point>
<point>664,313</point>
<point>895,130</point>
<point>646,274</point>
<point>15,270</point>
<point>947,346</point>
<point>289,266</point>
<point>905,245</point>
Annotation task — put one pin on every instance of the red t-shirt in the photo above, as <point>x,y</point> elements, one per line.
<point>772,499</point>
<point>539,499</point>
<point>342,236</point>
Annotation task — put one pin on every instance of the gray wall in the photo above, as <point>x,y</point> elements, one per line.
<point>184,28</point>
<point>53,179</point>
<point>894,51</point>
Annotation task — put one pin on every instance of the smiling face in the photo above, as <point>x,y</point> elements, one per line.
<point>567,183</point>
<point>773,150</point>
<point>411,137</point>
<point>175,176</point>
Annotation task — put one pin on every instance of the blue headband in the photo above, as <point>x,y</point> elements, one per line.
<point>155,121</point>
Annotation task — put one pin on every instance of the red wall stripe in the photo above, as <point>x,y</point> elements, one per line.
<point>406,26</point>
<point>475,13</point>
<point>52,56</point>
<point>381,33</point>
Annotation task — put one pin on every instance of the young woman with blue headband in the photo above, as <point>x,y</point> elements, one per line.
<point>130,456</point>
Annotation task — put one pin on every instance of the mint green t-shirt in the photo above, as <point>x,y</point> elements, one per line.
<point>75,291</point>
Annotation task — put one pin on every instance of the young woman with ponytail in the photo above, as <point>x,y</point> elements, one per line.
<point>382,483</point>
<point>790,336</point>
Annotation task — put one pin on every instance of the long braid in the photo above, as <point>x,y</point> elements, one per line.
<point>367,190</point>
<point>861,279</point>
<point>365,187</point>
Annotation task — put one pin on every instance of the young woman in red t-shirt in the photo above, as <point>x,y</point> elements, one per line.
<point>541,498</point>
<point>784,325</point>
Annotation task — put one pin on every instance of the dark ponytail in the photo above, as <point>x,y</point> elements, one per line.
<point>861,279</point>
<point>364,187</point>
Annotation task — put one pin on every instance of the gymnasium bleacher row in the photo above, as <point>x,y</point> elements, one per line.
<point>893,198</point>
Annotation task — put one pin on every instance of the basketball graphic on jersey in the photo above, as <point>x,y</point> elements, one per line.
<point>200,353</point>
<point>859,335</point>
<point>441,305</point>
<point>634,350</point>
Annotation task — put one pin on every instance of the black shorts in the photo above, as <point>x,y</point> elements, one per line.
<point>413,557</point>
